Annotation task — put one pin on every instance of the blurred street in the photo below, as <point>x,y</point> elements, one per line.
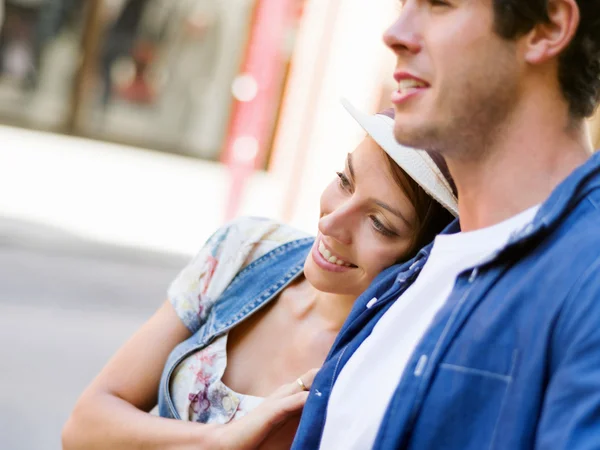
<point>66,304</point>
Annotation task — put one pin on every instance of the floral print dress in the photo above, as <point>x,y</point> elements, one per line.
<point>198,393</point>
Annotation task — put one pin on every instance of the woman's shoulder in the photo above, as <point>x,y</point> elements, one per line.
<point>261,234</point>
<point>231,248</point>
<point>256,235</point>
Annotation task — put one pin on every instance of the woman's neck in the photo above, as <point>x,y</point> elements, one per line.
<point>331,309</point>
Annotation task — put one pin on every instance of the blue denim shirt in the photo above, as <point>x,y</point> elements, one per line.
<point>512,360</point>
<point>252,288</point>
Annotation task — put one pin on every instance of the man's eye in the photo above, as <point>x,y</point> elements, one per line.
<point>344,181</point>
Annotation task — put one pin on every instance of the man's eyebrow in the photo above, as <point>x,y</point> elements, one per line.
<point>350,166</point>
<point>394,211</point>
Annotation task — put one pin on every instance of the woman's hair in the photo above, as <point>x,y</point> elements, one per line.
<point>431,216</point>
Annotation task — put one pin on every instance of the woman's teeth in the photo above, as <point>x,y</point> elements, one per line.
<point>331,258</point>
<point>409,84</point>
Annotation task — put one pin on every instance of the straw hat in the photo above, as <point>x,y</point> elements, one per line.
<point>426,168</point>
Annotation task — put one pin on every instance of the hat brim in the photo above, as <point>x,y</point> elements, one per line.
<point>416,163</point>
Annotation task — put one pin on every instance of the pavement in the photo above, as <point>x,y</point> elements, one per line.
<point>66,305</point>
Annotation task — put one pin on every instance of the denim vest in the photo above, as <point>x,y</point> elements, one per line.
<point>252,288</point>
<point>512,360</point>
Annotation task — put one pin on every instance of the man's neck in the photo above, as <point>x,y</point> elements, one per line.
<point>520,169</point>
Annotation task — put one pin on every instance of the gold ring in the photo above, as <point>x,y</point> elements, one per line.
<point>301,384</point>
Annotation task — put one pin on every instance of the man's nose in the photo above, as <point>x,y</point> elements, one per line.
<point>403,36</point>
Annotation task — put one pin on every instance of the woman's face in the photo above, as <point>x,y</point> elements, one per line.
<point>366,225</point>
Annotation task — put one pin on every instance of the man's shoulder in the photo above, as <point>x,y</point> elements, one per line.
<point>575,243</point>
<point>559,269</point>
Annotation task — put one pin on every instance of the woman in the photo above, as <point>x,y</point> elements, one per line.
<point>259,306</point>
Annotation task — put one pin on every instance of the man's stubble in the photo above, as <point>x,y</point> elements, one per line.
<point>472,113</point>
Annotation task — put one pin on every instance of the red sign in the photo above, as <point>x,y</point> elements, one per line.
<point>259,80</point>
<point>264,64</point>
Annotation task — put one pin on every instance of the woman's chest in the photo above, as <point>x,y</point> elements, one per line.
<point>273,348</point>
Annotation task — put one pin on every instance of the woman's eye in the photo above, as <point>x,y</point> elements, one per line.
<point>381,227</point>
<point>438,3</point>
<point>344,181</point>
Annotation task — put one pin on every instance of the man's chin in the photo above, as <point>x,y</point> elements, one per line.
<point>410,136</point>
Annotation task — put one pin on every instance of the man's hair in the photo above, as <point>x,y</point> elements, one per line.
<point>579,64</point>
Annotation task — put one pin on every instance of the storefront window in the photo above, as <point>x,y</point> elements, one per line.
<point>159,74</point>
<point>39,51</point>
<point>164,73</point>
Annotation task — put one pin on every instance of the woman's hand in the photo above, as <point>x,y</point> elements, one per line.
<point>255,429</point>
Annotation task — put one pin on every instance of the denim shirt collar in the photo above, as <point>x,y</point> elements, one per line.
<point>568,193</point>
<point>562,199</point>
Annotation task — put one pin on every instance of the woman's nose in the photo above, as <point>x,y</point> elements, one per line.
<point>338,225</point>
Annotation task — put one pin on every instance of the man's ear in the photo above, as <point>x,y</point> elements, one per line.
<point>547,40</point>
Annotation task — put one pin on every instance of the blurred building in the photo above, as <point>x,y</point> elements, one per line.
<point>150,73</point>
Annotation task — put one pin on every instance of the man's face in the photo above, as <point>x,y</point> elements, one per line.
<point>457,79</point>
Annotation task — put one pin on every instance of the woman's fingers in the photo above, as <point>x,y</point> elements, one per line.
<point>295,387</point>
<point>255,427</point>
<point>280,409</point>
<point>251,430</point>
<point>309,377</point>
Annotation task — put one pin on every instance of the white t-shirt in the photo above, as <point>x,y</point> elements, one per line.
<point>368,380</point>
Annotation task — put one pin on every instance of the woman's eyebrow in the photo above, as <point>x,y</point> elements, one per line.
<point>379,203</point>
<point>350,166</point>
<point>394,211</point>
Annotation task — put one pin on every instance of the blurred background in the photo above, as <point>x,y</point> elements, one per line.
<point>129,131</point>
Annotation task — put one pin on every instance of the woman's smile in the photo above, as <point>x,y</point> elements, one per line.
<point>327,260</point>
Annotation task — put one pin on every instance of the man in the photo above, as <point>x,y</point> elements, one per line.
<point>489,338</point>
